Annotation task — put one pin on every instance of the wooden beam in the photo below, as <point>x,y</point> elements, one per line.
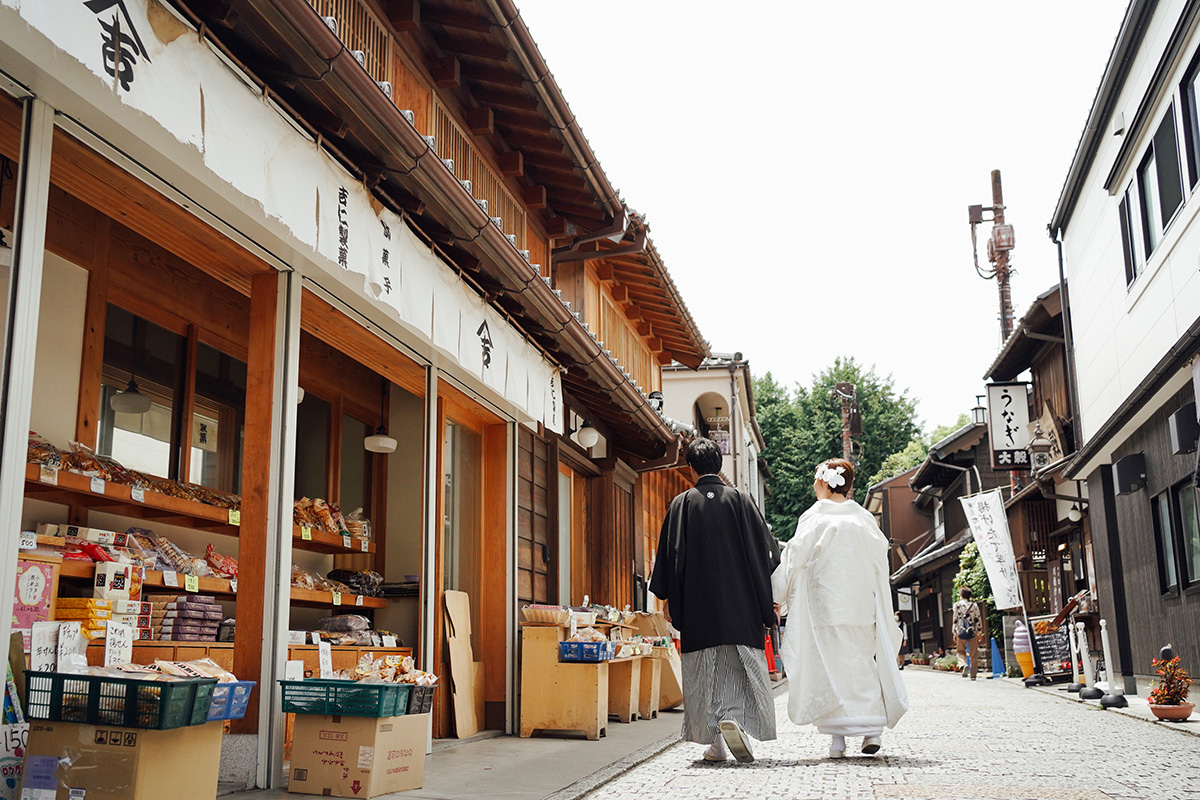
<point>570,209</point>
<point>557,227</point>
<point>664,357</point>
<point>534,196</point>
<point>405,15</point>
<point>604,271</point>
<point>524,141</point>
<point>453,19</point>
<point>473,49</point>
<point>494,73</point>
<point>634,312</point>
<point>620,294</point>
<point>512,164</point>
<point>217,12</point>
<point>655,344</point>
<point>643,327</point>
<point>95,315</point>
<point>480,121</point>
<point>444,72</point>
<point>256,489</point>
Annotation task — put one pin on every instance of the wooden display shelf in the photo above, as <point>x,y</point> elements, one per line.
<point>154,579</point>
<point>318,599</point>
<point>326,542</point>
<point>76,490</point>
<point>144,652</point>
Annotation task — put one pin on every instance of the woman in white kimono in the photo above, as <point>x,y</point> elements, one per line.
<point>839,647</point>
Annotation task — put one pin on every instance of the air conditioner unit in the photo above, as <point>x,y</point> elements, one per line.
<point>1129,473</point>
<point>1184,430</point>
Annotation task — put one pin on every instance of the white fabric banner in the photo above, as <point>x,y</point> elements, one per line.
<point>418,267</point>
<point>447,309</point>
<point>989,524</point>
<point>236,134</point>
<point>291,195</point>
<point>383,277</point>
<point>516,379</point>
<point>495,369</point>
<point>537,375</point>
<point>552,415</point>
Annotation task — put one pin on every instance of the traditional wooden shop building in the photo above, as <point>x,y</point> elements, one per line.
<point>355,251</point>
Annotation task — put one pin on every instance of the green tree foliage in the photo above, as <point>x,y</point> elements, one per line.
<point>805,428</point>
<point>972,574</point>
<point>914,452</point>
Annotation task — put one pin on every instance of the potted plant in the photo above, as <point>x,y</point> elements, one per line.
<point>1168,698</point>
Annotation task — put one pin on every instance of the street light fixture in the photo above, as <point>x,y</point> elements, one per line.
<point>979,412</point>
<point>1039,449</point>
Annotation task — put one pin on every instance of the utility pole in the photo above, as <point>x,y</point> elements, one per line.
<point>847,394</point>
<point>999,244</point>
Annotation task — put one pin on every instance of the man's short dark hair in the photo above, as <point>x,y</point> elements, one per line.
<point>965,593</point>
<point>704,456</point>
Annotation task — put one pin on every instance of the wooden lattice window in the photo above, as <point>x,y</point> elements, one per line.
<point>360,29</point>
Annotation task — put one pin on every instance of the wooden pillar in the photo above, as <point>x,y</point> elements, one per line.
<point>492,630</point>
<point>87,422</point>
<point>257,461</point>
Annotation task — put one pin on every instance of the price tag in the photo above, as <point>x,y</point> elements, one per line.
<point>337,598</point>
<point>366,546</point>
<point>70,642</point>
<point>171,578</point>
<point>316,637</point>
<point>346,542</point>
<point>118,644</point>
<point>191,583</point>
<point>389,641</point>
<point>98,485</point>
<point>306,533</point>
<point>28,541</point>
<point>137,494</point>
<point>235,516</point>
<point>43,647</point>
<point>358,600</point>
<point>325,659</point>
<point>48,475</point>
<point>233,585</point>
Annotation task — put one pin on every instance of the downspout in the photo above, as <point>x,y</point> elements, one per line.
<point>733,435</point>
<point>1068,342</point>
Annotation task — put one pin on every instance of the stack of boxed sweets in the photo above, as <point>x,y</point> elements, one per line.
<point>185,617</point>
<point>96,614</point>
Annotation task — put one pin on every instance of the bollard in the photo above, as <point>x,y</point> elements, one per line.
<point>1089,691</point>
<point>1116,695</point>
<point>1076,683</point>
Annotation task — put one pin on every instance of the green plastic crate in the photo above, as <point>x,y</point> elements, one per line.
<point>122,702</point>
<point>347,698</point>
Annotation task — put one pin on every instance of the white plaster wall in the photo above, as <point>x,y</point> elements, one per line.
<point>1121,333</point>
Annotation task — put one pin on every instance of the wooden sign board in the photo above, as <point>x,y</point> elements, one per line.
<point>462,663</point>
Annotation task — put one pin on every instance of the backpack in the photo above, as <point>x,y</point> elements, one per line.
<point>966,630</point>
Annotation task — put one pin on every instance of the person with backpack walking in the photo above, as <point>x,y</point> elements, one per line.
<point>967,623</point>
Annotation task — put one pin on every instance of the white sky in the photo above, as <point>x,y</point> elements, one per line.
<point>806,166</point>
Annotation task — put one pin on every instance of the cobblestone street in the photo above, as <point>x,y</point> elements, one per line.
<point>987,740</point>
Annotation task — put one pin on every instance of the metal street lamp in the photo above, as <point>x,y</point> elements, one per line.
<point>1039,449</point>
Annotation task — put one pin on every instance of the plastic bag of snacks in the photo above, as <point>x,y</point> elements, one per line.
<point>175,559</point>
<point>358,524</point>
<point>200,668</point>
<point>223,566</point>
<point>345,622</point>
<point>42,453</point>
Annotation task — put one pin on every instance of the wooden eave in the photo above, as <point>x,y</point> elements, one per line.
<point>291,54</point>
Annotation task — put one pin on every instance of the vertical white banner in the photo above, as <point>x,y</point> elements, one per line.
<point>495,368</point>
<point>552,414</point>
<point>1008,425</point>
<point>989,524</point>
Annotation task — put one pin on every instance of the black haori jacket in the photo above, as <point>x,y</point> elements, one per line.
<point>713,567</point>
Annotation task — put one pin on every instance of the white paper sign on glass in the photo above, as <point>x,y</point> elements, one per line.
<point>989,525</point>
<point>43,647</point>
<point>118,643</point>
<point>70,643</point>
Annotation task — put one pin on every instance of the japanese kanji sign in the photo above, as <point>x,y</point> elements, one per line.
<point>989,525</point>
<point>1008,425</point>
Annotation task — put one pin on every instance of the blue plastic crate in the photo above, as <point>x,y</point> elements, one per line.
<point>586,651</point>
<point>229,700</point>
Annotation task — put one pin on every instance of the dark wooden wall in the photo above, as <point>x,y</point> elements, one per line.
<point>1154,618</point>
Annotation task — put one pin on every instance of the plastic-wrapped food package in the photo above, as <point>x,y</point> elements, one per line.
<point>223,566</point>
<point>200,668</point>
<point>176,559</point>
<point>84,460</point>
<point>346,622</point>
<point>42,453</point>
<point>303,579</point>
<point>358,524</point>
<point>363,582</point>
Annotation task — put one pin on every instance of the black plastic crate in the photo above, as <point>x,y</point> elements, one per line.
<point>420,699</point>
<point>122,702</point>
<point>348,698</point>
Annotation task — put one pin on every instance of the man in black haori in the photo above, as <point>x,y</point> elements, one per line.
<point>713,569</point>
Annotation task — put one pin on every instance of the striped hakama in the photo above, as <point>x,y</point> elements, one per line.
<point>726,682</point>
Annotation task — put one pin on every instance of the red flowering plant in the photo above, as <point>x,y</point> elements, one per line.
<point>1172,688</point>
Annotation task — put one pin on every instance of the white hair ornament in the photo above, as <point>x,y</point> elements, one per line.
<point>833,476</point>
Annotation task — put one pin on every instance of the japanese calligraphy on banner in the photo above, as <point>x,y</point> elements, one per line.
<point>1008,425</point>
<point>989,525</point>
<point>553,412</point>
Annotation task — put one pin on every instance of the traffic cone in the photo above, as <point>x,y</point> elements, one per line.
<point>997,660</point>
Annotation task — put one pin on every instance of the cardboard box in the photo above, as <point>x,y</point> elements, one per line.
<point>114,581</point>
<point>121,763</point>
<point>358,756</point>
<point>84,602</point>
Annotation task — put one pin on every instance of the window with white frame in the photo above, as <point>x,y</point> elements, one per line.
<point>1154,196</point>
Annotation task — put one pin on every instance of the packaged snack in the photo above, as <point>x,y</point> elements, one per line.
<point>345,622</point>
<point>358,524</point>
<point>223,566</point>
<point>42,453</point>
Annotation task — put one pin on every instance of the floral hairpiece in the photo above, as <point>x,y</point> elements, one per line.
<point>833,476</point>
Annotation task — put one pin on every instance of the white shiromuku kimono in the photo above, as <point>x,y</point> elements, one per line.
<point>839,647</point>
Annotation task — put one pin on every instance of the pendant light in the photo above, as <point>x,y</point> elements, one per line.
<point>380,442</point>
<point>130,401</point>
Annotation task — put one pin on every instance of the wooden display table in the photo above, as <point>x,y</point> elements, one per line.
<point>648,692</point>
<point>560,696</point>
<point>624,687</point>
